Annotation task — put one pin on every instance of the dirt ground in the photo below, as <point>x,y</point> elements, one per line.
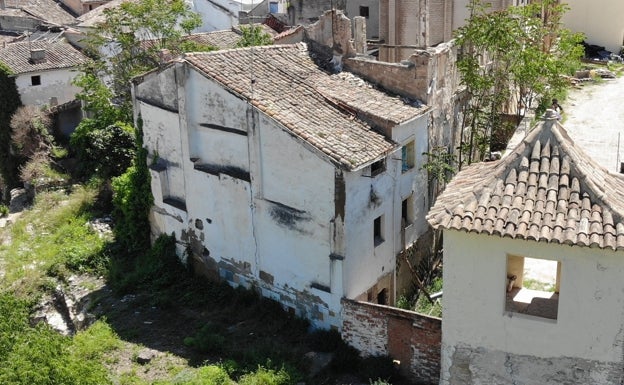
<point>594,119</point>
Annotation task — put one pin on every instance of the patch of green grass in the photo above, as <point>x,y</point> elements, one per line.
<point>534,284</point>
<point>263,376</point>
<point>52,239</point>
<point>424,306</point>
<point>39,355</point>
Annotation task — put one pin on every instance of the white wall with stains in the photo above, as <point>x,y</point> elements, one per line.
<point>480,340</point>
<point>54,83</point>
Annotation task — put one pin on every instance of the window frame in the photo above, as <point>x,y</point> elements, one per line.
<point>364,11</point>
<point>408,156</point>
<point>544,304</point>
<point>35,80</point>
<point>378,230</point>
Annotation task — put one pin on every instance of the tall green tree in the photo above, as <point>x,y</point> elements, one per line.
<point>512,60</point>
<point>134,37</point>
<point>9,102</point>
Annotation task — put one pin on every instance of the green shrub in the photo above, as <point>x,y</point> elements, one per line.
<point>39,355</point>
<point>263,376</point>
<point>4,210</point>
<point>103,150</point>
<point>207,340</point>
<point>132,200</point>
<point>9,102</point>
<point>211,375</point>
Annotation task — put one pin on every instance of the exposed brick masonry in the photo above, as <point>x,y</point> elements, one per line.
<point>411,338</point>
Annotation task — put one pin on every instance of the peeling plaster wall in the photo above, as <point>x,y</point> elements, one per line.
<point>55,83</point>
<point>259,202</point>
<point>428,75</point>
<point>371,197</point>
<point>483,344</point>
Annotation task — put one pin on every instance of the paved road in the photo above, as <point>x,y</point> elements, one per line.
<point>594,119</point>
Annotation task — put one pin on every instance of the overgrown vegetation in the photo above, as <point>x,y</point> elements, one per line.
<point>52,240</point>
<point>253,35</point>
<point>511,61</point>
<point>10,101</point>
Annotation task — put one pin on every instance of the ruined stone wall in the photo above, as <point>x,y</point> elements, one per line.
<point>412,339</point>
<point>482,366</point>
<point>332,30</point>
<point>427,75</point>
<point>306,12</point>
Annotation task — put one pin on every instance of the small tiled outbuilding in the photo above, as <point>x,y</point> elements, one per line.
<point>544,203</point>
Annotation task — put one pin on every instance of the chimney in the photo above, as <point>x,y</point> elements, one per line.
<point>37,55</point>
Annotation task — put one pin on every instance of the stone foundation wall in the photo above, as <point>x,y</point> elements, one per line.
<point>479,366</point>
<point>412,339</point>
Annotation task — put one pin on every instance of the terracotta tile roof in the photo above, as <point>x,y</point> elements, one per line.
<point>46,10</point>
<point>546,190</point>
<point>96,16</point>
<point>58,55</point>
<point>220,39</point>
<point>289,87</point>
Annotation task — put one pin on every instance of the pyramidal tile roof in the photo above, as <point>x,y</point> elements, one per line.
<point>334,113</point>
<point>546,190</point>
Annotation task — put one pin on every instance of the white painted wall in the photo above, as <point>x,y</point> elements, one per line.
<point>54,83</point>
<point>602,21</point>
<point>281,224</point>
<point>365,263</point>
<point>220,14</point>
<point>591,302</point>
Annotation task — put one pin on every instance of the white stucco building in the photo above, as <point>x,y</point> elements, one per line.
<point>279,175</point>
<point>600,20</point>
<point>43,71</point>
<point>545,203</point>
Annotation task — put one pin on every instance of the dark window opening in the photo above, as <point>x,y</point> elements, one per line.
<point>35,80</point>
<point>382,297</point>
<point>407,209</point>
<point>364,11</point>
<point>378,230</point>
<point>378,167</point>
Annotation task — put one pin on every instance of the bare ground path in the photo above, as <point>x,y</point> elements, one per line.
<point>594,119</point>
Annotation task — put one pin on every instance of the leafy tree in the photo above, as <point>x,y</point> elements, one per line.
<point>103,150</point>
<point>511,58</point>
<point>135,33</point>
<point>9,102</point>
<point>253,36</point>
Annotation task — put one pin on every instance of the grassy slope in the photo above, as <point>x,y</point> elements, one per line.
<point>194,331</point>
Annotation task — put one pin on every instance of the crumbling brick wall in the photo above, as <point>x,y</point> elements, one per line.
<point>412,339</point>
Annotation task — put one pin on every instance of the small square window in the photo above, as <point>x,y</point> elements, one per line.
<point>378,230</point>
<point>364,11</point>
<point>35,80</point>
<point>532,286</point>
<point>378,167</point>
<point>407,157</point>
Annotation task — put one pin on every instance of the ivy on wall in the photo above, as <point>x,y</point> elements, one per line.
<point>9,102</point>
